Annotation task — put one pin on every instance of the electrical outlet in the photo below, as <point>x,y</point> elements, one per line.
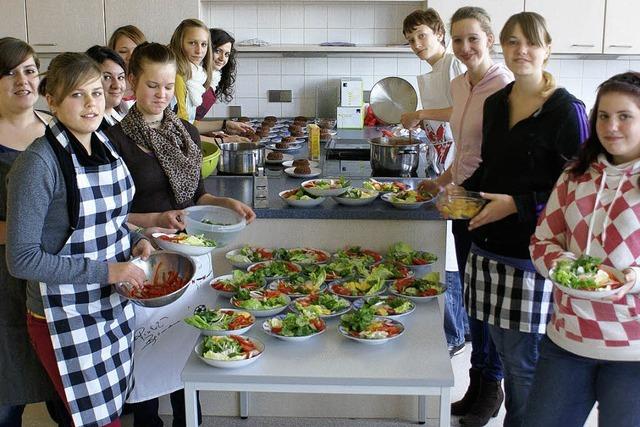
<point>279,96</point>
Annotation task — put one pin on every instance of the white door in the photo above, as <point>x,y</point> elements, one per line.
<point>621,33</point>
<point>576,26</point>
<point>65,25</point>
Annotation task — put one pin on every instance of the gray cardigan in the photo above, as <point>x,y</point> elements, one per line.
<point>38,226</point>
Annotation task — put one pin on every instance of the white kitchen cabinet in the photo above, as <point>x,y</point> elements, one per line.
<point>156,18</point>
<point>65,25</point>
<point>498,10</point>
<point>576,26</point>
<point>14,20</point>
<point>621,36</point>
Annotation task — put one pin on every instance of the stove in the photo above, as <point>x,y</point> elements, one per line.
<point>348,149</point>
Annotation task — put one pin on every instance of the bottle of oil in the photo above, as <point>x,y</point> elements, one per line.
<point>314,141</point>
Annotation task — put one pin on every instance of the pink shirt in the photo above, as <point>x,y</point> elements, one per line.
<point>466,117</point>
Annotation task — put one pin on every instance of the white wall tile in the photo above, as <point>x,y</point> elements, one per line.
<point>594,69</point>
<point>266,83</point>
<point>247,86</point>
<point>269,35</point>
<point>293,66</point>
<point>292,16</point>
<point>315,66</point>
<point>269,16</point>
<point>409,66</point>
<point>362,35</point>
<point>312,83</point>
<point>616,67</point>
<point>362,16</point>
<point>315,16</point>
<point>249,106</point>
<point>574,86</point>
<point>294,83</point>
<point>571,68</point>
<point>339,35</point>
<point>245,34</point>
<point>245,15</point>
<point>295,36</point>
<point>361,67</point>
<point>269,66</point>
<point>385,66</point>
<point>384,16</point>
<point>339,16</point>
<point>293,108</point>
<point>315,35</point>
<point>308,107</point>
<point>385,36</point>
<point>589,89</point>
<point>266,108</point>
<point>339,66</point>
<point>554,66</point>
<point>222,17</point>
<point>247,65</point>
<point>634,65</point>
<point>402,10</point>
<point>368,82</point>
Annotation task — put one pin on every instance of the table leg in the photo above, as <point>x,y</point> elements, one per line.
<point>190,405</point>
<point>422,409</point>
<point>445,407</point>
<point>244,405</point>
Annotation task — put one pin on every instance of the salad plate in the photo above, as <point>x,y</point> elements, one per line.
<point>186,244</point>
<point>275,269</point>
<point>286,158</point>
<point>247,255</point>
<point>296,290</point>
<point>357,287</point>
<point>400,203</point>
<point>386,186</point>
<point>303,255</point>
<point>294,327</point>
<point>327,187</point>
<point>419,262</point>
<point>419,290</point>
<point>298,198</point>
<point>312,172</point>
<point>261,303</point>
<point>368,256</point>
<point>386,305</point>
<point>391,271</point>
<point>227,285</point>
<point>586,278</point>
<point>229,352</point>
<point>289,163</point>
<point>223,321</point>
<point>362,326</point>
<point>356,197</point>
<point>323,305</point>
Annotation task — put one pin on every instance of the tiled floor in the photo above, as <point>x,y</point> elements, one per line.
<point>36,415</point>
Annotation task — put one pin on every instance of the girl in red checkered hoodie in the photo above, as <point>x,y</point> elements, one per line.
<point>592,349</point>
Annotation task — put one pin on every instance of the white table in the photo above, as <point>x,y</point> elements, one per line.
<point>417,363</point>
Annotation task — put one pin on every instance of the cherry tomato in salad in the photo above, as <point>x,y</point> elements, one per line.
<point>245,344</point>
<point>318,324</point>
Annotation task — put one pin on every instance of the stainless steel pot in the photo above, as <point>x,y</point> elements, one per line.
<point>395,155</point>
<point>241,158</point>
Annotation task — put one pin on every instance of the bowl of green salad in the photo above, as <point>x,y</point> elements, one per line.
<point>327,187</point>
<point>222,321</point>
<point>228,352</point>
<point>294,327</point>
<point>299,198</point>
<point>356,197</point>
<point>183,243</point>
<point>586,277</point>
<point>261,303</point>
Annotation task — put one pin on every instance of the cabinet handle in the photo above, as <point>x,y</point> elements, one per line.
<point>583,45</point>
<point>44,44</point>
<point>626,46</point>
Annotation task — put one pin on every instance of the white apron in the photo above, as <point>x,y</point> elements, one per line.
<point>91,326</point>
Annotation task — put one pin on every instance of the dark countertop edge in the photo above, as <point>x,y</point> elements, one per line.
<point>342,213</point>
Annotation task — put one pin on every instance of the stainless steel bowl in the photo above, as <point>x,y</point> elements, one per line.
<point>162,261</point>
<point>397,155</point>
<point>241,158</point>
<point>392,96</point>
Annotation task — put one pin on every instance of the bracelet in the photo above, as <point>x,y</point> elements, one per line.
<point>140,230</point>
<point>224,124</point>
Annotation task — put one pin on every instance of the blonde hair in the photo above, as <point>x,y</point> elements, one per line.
<point>534,28</point>
<point>130,31</point>
<point>184,69</point>
<point>472,12</point>
<point>67,72</point>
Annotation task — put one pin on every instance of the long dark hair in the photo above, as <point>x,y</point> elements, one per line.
<point>626,83</point>
<point>14,52</point>
<point>224,90</point>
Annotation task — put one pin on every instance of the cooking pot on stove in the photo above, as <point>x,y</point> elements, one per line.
<point>395,155</point>
<point>240,158</point>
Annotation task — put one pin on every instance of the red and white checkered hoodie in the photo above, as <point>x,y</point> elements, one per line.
<point>597,213</point>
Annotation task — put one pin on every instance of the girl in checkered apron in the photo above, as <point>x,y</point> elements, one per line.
<point>68,199</point>
<point>592,349</point>
<point>530,129</point>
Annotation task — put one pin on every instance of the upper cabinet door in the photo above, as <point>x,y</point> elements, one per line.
<point>14,20</point>
<point>621,35</point>
<point>576,26</point>
<point>498,10</point>
<point>65,25</point>
<point>155,18</point>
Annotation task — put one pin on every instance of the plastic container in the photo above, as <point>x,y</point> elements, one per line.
<point>226,223</point>
<point>210,157</point>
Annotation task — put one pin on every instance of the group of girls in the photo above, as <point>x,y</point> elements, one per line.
<point>515,132</point>
<point>78,181</point>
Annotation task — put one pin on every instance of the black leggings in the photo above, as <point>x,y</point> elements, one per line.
<point>145,414</point>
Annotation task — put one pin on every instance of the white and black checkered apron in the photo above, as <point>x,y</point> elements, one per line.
<point>91,326</point>
<point>506,296</point>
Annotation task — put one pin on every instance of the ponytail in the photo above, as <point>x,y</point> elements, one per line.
<point>549,84</point>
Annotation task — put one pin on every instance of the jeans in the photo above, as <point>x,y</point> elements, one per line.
<point>455,317</point>
<point>519,354</point>
<point>11,415</point>
<point>566,387</point>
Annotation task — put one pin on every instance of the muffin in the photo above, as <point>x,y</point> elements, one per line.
<point>282,145</point>
<point>300,162</point>
<point>325,135</point>
<point>254,137</point>
<point>289,139</point>
<point>301,119</point>
<point>270,119</point>
<point>302,170</point>
<point>274,155</point>
<point>297,133</point>
<point>295,128</point>
<point>244,119</point>
<point>263,131</point>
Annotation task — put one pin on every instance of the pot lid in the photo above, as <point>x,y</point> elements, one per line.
<point>391,97</point>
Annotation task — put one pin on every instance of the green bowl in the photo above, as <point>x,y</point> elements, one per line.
<point>210,157</point>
